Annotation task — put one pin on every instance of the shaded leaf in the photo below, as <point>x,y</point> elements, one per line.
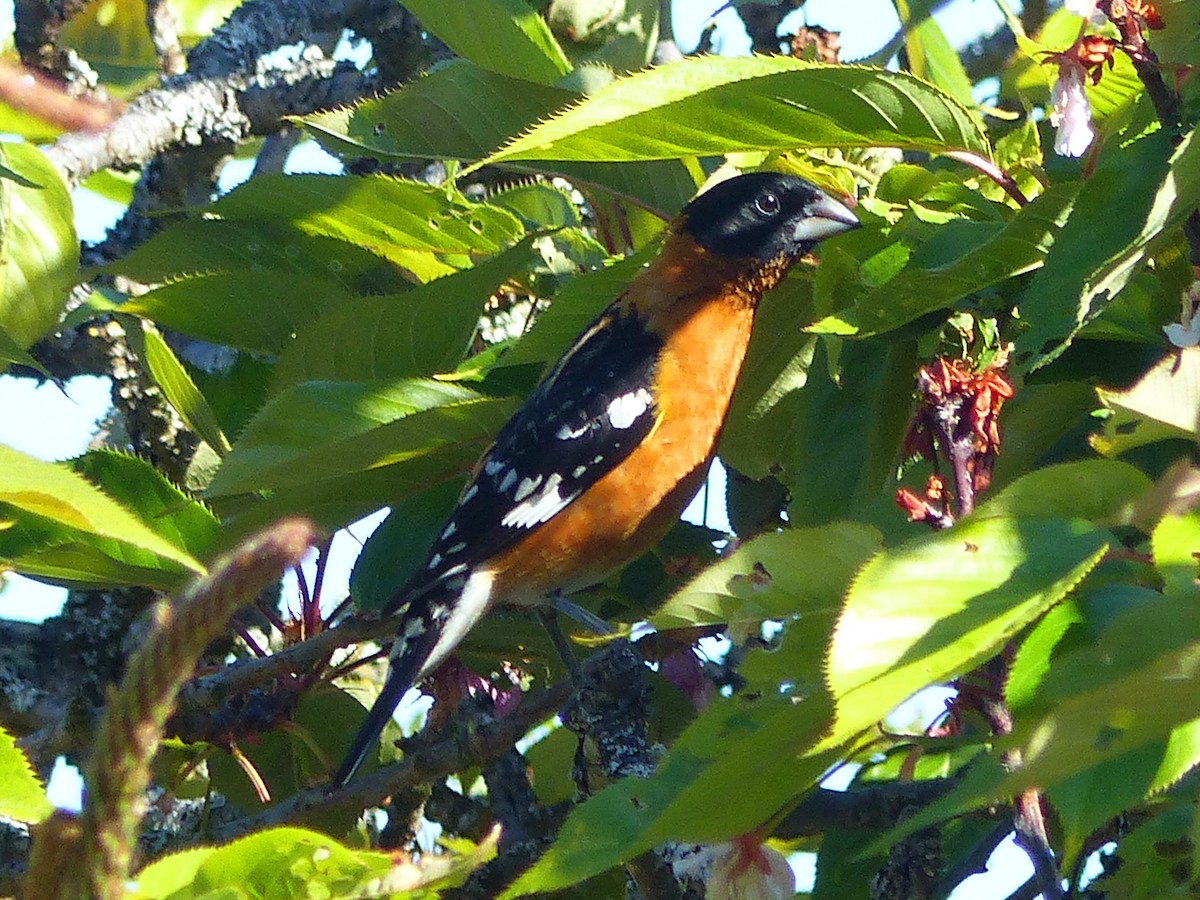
<point>972,257</point>
<point>460,111</point>
<point>310,419</point>
<point>177,385</point>
<point>793,573</point>
<point>1087,265</point>
<point>1095,489</point>
<point>400,544</point>
<point>255,311</point>
<point>146,492</point>
<point>422,332</point>
<point>1164,404</point>
<point>382,214</point>
<point>204,246</point>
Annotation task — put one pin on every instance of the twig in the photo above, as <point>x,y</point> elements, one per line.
<point>202,696</point>
<point>1030,827</point>
<point>992,171</point>
<point>424,761</point>
<point>193,112</point>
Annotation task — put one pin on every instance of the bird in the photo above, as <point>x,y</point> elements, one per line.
<point>616,438</point>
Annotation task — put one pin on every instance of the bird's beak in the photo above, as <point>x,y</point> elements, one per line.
<point>824,217</point>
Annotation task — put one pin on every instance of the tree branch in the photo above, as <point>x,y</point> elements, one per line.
<point>474,739</point>
<point>191,112</point>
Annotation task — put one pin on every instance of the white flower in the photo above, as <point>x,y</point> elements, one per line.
<point>748,870</point>
<point>1086,9</point>
<point>1186,332</point>
<point>1072,115</point>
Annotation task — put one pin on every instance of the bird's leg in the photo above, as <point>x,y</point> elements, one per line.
<point>549,619</point>
<point>589,620</point>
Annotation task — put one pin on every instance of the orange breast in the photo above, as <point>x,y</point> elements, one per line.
<point>630,508</point>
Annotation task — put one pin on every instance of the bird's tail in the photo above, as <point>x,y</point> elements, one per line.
<point>432,620</point>
<point>418,636</point>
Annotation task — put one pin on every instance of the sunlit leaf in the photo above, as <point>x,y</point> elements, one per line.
<point>39,255</point>
<point>711,106</point>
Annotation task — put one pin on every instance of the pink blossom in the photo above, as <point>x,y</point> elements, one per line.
<point>1072,115</point>
<point>747,870</point>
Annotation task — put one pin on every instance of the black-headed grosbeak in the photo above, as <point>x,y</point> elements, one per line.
<point>616,439</point>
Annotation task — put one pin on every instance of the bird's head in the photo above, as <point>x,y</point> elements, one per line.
<point>765,216</point>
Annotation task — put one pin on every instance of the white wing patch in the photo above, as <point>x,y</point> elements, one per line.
<point>567,433</point>
<point>526,487</point>
<point>539,507</point>
<point>625,410</point>
<point>509,479</point>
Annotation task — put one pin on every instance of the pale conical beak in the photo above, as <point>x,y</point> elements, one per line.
<point>825,217</point>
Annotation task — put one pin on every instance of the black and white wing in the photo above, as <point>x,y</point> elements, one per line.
<point>589,412</point>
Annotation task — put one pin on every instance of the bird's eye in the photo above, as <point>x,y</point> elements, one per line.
<point>767,204</point>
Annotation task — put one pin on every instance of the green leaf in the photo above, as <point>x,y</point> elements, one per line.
<point>577,302</point>
<point>1033,658</point>
<point>768,741</point>
<point>45,549</point>
<point>1128,689</point>
<point>23,797</point>
<point>177,385</point>
<point>457,111</point>
<point>460,111</point>
<point>400,545</point>
<point>278,862</point>
<point>940,604</point>
<point>204,246</point>
<point>710,105</point>
<point>258,311</point>
<point>939,62</point>
<point>796,572</point>
<point>146,492</point>
<point>53,491</point>
<point>422,332</point>
<point>538,205</point>
<point>850,427</point>
<point>338,451</point>
<point>1096,489</point>
<point>385,215</point>
<point>506,36</point>
<point>11,353</point>
<point>312,418</point>
<point>1163,404</point>
<point>1174,543</point>
<point>759,745</point>
<point>971,256</point>
<point>39,255</point>
<point>1087,265</point>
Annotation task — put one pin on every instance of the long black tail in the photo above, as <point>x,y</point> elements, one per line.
<point>409,656</point>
